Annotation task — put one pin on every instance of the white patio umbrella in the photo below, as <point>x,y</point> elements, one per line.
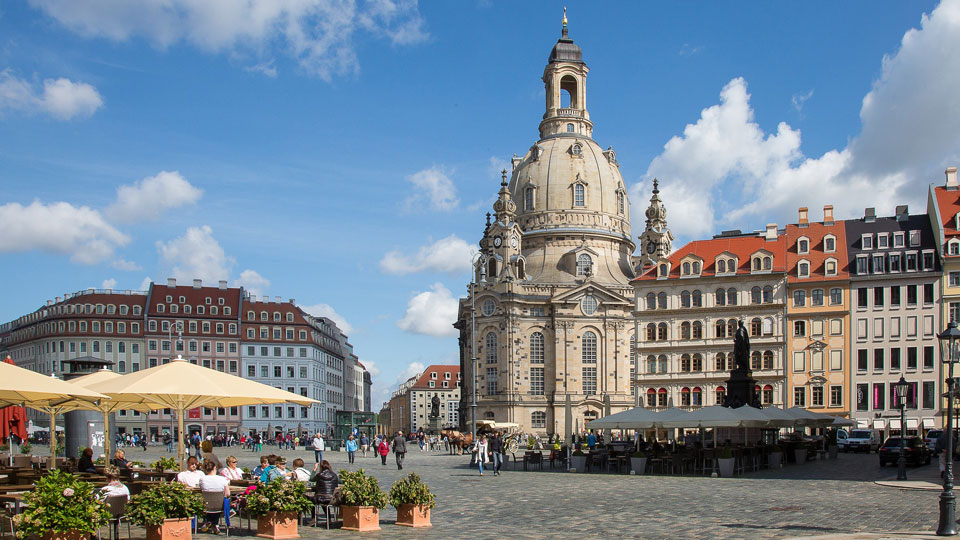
<point>636,418</point>
<point>107,407</point>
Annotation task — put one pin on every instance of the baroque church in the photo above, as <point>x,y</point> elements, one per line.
<point>548,314</point>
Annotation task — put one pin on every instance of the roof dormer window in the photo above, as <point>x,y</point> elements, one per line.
<point>803,269</point>
<point>829,243</point>
<point>882,241</point>
<point>830,267</point>
<point>898,239</point>
<point>953,247</point>
<point>663,270</point>
<point>866,241</point>
<point>803,245</point>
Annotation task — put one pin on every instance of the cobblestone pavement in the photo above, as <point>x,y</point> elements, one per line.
<point>832,497</point>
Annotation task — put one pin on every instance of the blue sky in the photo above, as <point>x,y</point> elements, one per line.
<point>344,153</point>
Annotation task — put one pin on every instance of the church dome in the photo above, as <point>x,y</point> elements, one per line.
<point>565,51</point>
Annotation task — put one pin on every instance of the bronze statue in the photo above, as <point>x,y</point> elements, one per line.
<point>741,349</point>
<point>435,407</point>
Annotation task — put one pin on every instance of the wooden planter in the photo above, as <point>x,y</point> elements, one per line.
<point>172,529</point>
<point>277,525</point>
<point>413,515</point>
<point>360,518</point>
<point>73,534</point>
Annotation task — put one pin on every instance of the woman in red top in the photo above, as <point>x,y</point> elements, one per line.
<point>383,449</point>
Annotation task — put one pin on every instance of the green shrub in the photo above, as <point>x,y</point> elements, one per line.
<point>411,490</point>
<point>280,495</point>
<point>726,453</point>
<point>639,454</point>
<point>166,464</point>
<point>60,503</point>
<point>578,452</point>
<point>359,489</point>
<point>164,501</point>
<point>26,447</point>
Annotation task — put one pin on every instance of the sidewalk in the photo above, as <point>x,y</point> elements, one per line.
<point>923,478</point>
<point>875,536</point>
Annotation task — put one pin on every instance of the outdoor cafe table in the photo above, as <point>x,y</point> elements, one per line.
<point>9,488</point>
<point>15,498</point>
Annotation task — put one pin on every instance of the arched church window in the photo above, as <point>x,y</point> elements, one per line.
<point>569,128</point>
<point>620,203</point>
<point>584,264</point>
<point>662,300</point>
<point>589,347</point>
<point>685,298</point>
<point>578,196</point>
<point>536,348</point>
<point>576,149</point>
<point>589,305</point>
<point>721,329</point>
<point>488,307</point>
<point>697,295</point>
<point>662,332</point>
<point>662,367</point>
<point>697,330</point>
<point>651,301</point>
<point>521,273</point>
<point>528,199</point>
<point>492,268</point>
<point>491,344</point>
<point>651,364</point>
<point>721,297</point>
<point>651,332</point>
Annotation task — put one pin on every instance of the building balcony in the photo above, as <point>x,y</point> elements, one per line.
<point>572,113</point>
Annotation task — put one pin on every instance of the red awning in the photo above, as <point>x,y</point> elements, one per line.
<point>13,419</point>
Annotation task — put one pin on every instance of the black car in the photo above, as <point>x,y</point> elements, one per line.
<point>915,452</point>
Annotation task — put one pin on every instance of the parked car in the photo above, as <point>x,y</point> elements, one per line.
<point>858,439</point>
<point>914,450</point>
<point>931,439</point>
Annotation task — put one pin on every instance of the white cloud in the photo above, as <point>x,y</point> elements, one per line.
<point>724,169</point>
<point>149,198</point>
<point>195,255</point>
<point>264,68</point>
<point>79,232</point>
<point>253,282</point>
<point>451,254</point>
<point>371,367</point>
<point>433,188</point>
<point>318,34</point>
<point>431,313</point>
<point>125,265</point>
<point>799,100</point>
<point>145,284</point>
<point>61,98</point>
<point>109,284</point>
<point>412,370</point>
<point>325,310</point>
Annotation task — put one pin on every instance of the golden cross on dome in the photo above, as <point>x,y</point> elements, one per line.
<point>564,16</point>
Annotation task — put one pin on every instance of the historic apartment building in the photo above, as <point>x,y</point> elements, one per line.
<point>688,308</point>
<point>895,277</point>
<point>818,315</point>
<point>551,290</point>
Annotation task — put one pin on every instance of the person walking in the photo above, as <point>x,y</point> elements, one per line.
<point>383,449</point>
<point>318,447</point>
<point>168,441</point>
<point>481,450</point>
<point>496,452</point>
<point>399,449</point>
<point>364,444</point>
<point>351,448</point>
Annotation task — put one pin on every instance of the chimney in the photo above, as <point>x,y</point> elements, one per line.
<point>49,302</point>
<point>828,214</point>
<point>293,302</point>
<point>59,299</point>
<point>803,217</point>
<point>172,282</point>
<point>869,215</point>
<point>951,173</point>
<point>197,283</point>
<point>902,212</point>
<point>222,284</point>
<point>771,231</point>
<point>279,300</point>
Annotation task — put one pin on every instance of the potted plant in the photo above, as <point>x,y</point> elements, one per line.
<point>726,461</point>
<point>775,457</point>
<point>800,453</point>
<point>578,461</point>
<point>61,507</point>
<point>413,501</point>
<point>165,511</point>
<point>26,448</point>
<point>165,464</point>
<point>832,448</point>
<point>360,501</point>
<point>638,462</point>
<point>277,506</point>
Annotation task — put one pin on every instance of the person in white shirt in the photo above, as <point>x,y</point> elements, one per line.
<point>231,471</point>
<point>318,447</point>
<point>114,487</point>
<point>191,477</point>
<point>211,482</point>
<point>299,472</point>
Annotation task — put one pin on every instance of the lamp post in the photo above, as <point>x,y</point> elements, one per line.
<point>478,270</point>
<point>178,326</point>
<point>901,387</point>
<point>947,525</point>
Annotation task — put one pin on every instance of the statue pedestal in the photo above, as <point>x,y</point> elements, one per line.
<point>434,425</point>
<point>741,390</point>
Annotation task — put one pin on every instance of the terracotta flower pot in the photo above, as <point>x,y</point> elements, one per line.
<point>360,518</point>
<point>413,515</point>
<point>172,529</point>
<point>277,525</point>
<point>73,534</point>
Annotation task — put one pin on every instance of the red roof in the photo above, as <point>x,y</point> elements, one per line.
<point>948,204</point>
<point>816,256</point>
<point>742,247</point>
<point>424,381</point>
<point>194,296</point>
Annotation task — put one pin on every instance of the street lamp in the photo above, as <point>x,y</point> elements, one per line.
<point>479,268</point>
<point>948,502</point>
<point>901,387</point>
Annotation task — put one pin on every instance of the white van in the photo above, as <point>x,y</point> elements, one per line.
<point>858,439</point>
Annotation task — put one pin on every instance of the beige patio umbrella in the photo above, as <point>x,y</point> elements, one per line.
<point>182,385</point>
<point>107,407</point>
<point>19,386</point>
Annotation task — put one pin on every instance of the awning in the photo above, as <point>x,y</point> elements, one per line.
<point>928,423</point>
<point>879,424</point>
<point>912,423</point>
<point>895,423</point>
<point>863,424</point>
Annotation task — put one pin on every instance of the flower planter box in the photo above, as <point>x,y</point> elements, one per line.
<point>800,454</point>
<point>726,466</point>
<point>277,525</point>
<point>774,460</point>
<point>638,464</point>
<point>73,534</point>
<point>360,518</point>
<point>413,515</point>
<point>578,463</point>
<point>171,529</point>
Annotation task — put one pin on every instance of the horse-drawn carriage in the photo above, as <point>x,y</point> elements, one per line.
<point>460,442</point>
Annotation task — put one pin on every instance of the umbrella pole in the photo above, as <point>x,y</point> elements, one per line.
<point>53,439</point>
<point>106,437</point>
<point>180,436</point>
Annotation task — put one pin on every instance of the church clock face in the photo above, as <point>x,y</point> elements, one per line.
<point>497,241</point>
<point>651,247</point>
<point>514,241</point>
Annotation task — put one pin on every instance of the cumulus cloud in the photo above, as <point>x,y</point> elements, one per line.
<point>109,284</point>
<point>432,188</point>
<point>325,310</point>
<point>145,284</point>
<point>724,169</point>
<point>253,282</point>
<point>798,100</point>
<point>60,98</point>
<point>149,198</point>
<point>317,34</point>
<point>125,265</point>
<point>451,255</point>
<point>79,232</point>
<point>431,313</point>
<point>412,370</point>
<point>195,255</point>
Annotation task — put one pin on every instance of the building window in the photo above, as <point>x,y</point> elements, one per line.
<point>578,195</point>
<point>799,298</point>
<point>528,199</point>
<point>538,419</point>
<point>491,381</point>
<point>829,244</point>
<point>589,381</point>
<point>799,396</point>
<point>803,246</point>
<point>589,305</point>
<point>816,297</point>
<point>536,348</point>
<point>866,241</point>
<point>836,296</point>
<point>589,348</point>
<point>491,344</point>
<point>584,264</point>
<point>536,381</point>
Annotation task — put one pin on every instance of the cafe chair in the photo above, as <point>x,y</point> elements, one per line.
<point>212,506</point>
<point>117,505</point>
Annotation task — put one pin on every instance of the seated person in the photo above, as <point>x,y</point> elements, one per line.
<point>258,470</point>
<point>231,471</point>
<point>325,481</point>
<point>86,461</point>
<point>114,487</point>
<point>279,470</point>
<point>120,460</point>
<point>208,455</point>
<point>211,482</point>
<point>190,477</point>
<point>271,464</point>
<point>299,472</point>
